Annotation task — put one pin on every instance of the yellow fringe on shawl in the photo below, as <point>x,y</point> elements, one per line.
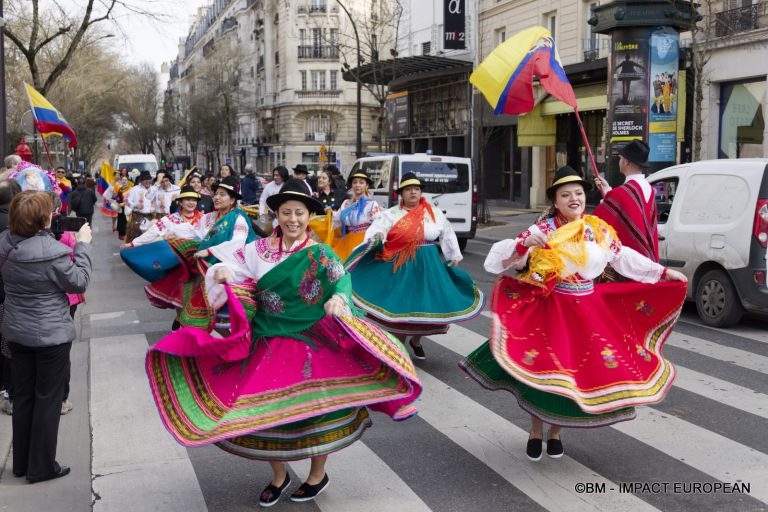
<point>567,242</point>
<point>322,225</point>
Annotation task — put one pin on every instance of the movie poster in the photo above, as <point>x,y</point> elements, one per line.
<point>662,114</point>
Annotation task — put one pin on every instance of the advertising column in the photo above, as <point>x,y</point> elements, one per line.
<point>662,115</point>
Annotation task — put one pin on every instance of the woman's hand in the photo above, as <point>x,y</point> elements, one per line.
<point>336,306</point>
<point>222,275</point>
<point>674,275</point>
<point>453,263</point>
<point>84,234</point>
<point>202,254</point>
<point>535,240</point>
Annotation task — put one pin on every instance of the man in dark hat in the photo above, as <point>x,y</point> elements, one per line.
<point>141,205</point>
<point>631,208</point>
<point>300,172</point>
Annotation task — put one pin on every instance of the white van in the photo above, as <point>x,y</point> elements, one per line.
<point>137,161</point>
<point>448,182</point>
<point>713,227</point>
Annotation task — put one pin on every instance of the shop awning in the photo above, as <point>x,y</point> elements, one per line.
<point>592,97</point>
<point>421,66</point>
<point>533,129</point>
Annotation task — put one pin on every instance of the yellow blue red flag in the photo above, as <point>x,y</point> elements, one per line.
<point>48,120</point>
<point>505,77</point>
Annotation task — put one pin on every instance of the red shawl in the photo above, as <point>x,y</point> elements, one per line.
<point>632,217</point>
<point>406,235</point>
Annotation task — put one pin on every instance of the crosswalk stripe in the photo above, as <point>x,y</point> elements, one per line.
<point>707,451</point>
<point>499,444</point>
<point>375,487</point>
<point>724,459</point>
<point>131,449</point>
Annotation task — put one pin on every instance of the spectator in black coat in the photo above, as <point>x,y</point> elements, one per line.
<point>250,187</point>
<point>83,199</point>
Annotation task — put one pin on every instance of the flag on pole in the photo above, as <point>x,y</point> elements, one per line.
<point>505,77</point>
<point>106,177</point>
<point>48,120</point>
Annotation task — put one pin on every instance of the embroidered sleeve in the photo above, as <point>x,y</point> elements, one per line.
<point>449,244</point>
<point>239,236</point>
<point>511,253</point>
<point>380,225</point>
<point>630,263</point>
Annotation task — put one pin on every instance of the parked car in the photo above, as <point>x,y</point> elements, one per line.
<point>448,182</point>
<point>137,161</point>
<point>713,227</point>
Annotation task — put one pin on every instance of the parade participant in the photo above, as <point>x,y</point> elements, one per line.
<point>399,278</point>
<point>297,376</point>
<point>195,180</point>
<point>65,188</point>
<point>279,177</point>
<point>178,225</point>
<point>327,193</point>
<point>631,208</point>
<point>116,196</point>
<point>37,274</point>
<point>208,181</point>
<point>142,208</point>
<point>225,171</point>
<point>163,194</point>
<point>300,172</point>
<point>222,231</point>
<point>575,353</point>
<point>355,215</point>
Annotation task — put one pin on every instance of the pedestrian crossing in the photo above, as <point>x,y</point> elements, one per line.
<point>465,449</point>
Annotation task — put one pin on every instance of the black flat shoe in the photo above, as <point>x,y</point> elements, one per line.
<point>271,494</point>
<point>418,351</point>
<point>533,449</point>
<point>309,492</point>
<point>60,472</point>
<point>554,448</point>
<point>19,474</point>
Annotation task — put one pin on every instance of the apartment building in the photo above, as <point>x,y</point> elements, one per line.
<point>279,65</point>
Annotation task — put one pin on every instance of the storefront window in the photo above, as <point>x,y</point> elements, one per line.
<point>741,119</point>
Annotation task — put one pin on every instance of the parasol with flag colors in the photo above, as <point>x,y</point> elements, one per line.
<point>506,75</point>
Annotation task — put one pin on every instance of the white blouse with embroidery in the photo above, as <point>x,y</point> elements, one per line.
<point>371,210</point>
<point>504,256</point>
<point>439,229</point>
<point>173,225</point>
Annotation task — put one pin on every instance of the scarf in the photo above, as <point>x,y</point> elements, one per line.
<point>354,211</point>
<point>406,235</point>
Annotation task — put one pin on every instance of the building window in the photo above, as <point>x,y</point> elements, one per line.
<point>334,81</point>
<point>589,45</point>
<point>741,119</point>
<point>426,48</point>
<point>303,80</point>
<point>550,21</point>
<point>302,37</point>
<point>318,79</point>
<point>501,35</point>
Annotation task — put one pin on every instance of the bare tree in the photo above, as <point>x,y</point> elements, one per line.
<point>140,105</point>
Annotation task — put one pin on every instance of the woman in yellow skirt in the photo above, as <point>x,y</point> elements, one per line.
<point>354,216</point>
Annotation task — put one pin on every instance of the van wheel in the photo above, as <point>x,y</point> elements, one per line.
<point>717,302</point>
<point>463,243</point>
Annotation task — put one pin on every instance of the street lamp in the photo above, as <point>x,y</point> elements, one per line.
<point>359,119</point>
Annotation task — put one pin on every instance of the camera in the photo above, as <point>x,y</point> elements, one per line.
<point>60,224</point>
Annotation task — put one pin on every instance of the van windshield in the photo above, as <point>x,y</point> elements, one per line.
<point>377,170</point>
<point>141,166</point>
<point>440,177</point>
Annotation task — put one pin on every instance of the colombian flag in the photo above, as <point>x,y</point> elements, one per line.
<point>106,177</point>
<point>48,120</point>
<point>505,77</point>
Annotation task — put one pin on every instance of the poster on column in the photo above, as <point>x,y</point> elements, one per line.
<point>662,116</point>
<point>628,86</point>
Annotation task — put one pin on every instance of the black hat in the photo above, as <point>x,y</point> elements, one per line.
<point>407,180</point>
<point>144,175</point>
<point>295,190</point>
<point>359,174</point>
<point>636,152</point>
<point>231,185</point>
<point>301,168</point>
<point>187,192</point>
<point>565,175</point>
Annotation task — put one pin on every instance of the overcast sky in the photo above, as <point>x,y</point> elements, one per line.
<point>156,42</point>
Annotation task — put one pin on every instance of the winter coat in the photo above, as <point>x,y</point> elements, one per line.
<point>249,189</point>
<point>82,201</point>
<point>38,273</point>
<point>3,227</point>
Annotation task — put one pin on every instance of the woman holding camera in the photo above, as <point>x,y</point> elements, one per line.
<point>38,273</point>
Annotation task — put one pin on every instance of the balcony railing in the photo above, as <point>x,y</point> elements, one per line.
<point>318,93</point>
<point>738,20</point>
<point>329,136</point>
<point>591,55</point>
<point>318,52</point>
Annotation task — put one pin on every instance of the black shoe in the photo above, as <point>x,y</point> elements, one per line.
<point>58,473</point>
<point>176,325</point>
<point>271,494</point>
<point>19,474</point>
<point>554,448</point>
<point>533,450</point>
<point>309,492</point>
<point>418,352</point>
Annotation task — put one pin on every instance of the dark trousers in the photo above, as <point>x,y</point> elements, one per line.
<point>38,386</point>
<point>122,224</point>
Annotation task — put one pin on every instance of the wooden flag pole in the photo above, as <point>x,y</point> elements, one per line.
<point>47,151</point>
<point>586,143</point>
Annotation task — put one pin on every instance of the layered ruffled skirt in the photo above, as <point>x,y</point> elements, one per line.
<point>422,297</point>
<point>280,398</point>
<point>580,356</point>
